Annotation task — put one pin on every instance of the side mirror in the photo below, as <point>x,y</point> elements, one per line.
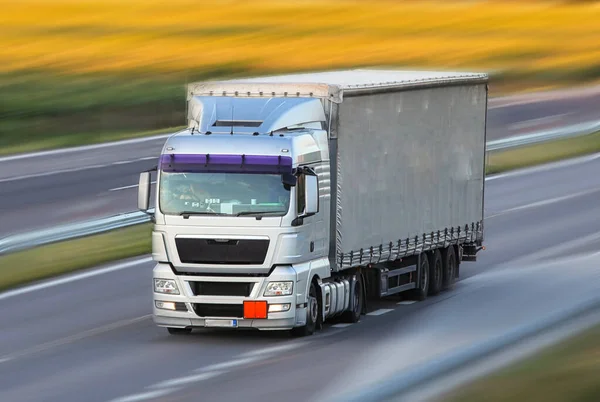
<point>289,179</point>
<point>311,195</point>
<point>144,192</point>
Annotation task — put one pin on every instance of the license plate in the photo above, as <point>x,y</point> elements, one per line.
<point>221,323</point>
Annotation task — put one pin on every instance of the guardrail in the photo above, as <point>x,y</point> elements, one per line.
<point>543,136</point>
<point>36,238</point>
<point>398,387</point>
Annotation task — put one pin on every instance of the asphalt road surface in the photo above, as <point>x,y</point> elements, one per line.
<point>92,338</point>
<point>50,188</point>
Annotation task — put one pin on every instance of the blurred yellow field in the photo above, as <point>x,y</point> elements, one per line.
<point>160,36</point>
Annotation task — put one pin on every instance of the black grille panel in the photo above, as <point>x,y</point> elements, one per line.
<point>221,288</point>
<point>219,310</point>
<point>210,251</point>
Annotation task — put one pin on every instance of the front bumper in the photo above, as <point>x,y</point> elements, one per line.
<point>187,313</point>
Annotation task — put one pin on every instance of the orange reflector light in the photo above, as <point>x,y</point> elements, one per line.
<point>255,309</point>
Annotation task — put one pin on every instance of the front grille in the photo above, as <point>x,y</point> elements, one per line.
<point>219,310</point>
<point>222,288</point>
<point>211,251</point>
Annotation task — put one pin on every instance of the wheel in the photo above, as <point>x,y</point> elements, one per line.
<point>449,262</point>
<point>436,272</point>
<point>353,315</point>
<point>312,314</point>
<point>420,293</point>
<point>177,331</point>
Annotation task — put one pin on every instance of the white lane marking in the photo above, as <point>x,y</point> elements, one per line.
<point>274,349</point>
<point>380,311</point>
<point>341,325</point>
<point>70,170</point>
<point>126,187</point>
<point>186,380</point>
<point>559,249</point>
<point>534,122</point>
<point>4,360</point>
<point>75,277</point>
<point>76,337</point>
<point>145,395</point>
<point>545,167</point>
<point>542,203</point>
<point>227,365</point>
<point>406,302</point>
<point>86,147</point>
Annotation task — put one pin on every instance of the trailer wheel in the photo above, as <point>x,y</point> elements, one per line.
<point>450,265</point>
<point>356,305</point>
<point>178,331</point>
<point>436,272</point>
<point>312,313</point>
<point>422,290</point>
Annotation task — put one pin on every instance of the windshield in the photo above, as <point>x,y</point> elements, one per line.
<point>233,194</point>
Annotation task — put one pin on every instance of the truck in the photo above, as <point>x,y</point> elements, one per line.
<point>293,200</point>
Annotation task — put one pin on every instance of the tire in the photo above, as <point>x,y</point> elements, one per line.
<point>450,267</point>
<point>353,316</point>
<point>420,293</point>
<point>436,272</point>
<point>312,313</point>
<point>178,331</point>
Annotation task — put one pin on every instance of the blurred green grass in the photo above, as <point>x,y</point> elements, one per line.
<point>564,372</point>
<point>44,110</point>
<point>68,256</point>
<point>537,154</point>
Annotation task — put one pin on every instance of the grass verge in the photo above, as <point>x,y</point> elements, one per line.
<point>565,372</point>
<point>538,154</point>
<point>60,258</point>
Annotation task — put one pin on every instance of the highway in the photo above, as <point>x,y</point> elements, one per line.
<point>49,188</point>
<point>91,338</point>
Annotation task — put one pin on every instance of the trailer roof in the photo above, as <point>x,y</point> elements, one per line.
<point>333,84</point>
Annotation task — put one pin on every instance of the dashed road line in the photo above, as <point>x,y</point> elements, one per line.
<point>380,311</point>
<point>145,395</point>
<point>4,360</point>
<point>187,380</point>
<point>406,302</point>
<point>82,335</point>
<point>127,187</point>
<point>228,365</point>
<point>70,170</point>
<point>542,203</point>
<point>274,349</point>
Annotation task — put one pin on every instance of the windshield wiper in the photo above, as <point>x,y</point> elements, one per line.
<point>259,213</point>
<point>187,214</point>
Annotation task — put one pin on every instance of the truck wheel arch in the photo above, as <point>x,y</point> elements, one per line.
<point>316,279</point>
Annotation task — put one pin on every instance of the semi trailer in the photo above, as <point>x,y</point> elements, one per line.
<point>291,200</point>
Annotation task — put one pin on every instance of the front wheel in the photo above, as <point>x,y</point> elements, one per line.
<point>312,314</point>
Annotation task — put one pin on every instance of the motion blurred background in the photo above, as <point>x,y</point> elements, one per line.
<point>86,71</point>
<point>77,72</point>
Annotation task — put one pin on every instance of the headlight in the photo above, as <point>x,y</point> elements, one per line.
<point>167,286</point>
<point>279,289</point>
